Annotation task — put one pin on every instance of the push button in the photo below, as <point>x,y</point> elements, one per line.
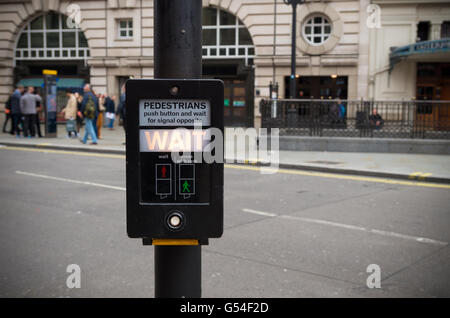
<point>175,220</point>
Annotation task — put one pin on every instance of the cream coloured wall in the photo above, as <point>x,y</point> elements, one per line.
<point>398,28</point>
<point>109,56</point>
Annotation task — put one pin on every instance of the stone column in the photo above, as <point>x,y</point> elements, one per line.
<point>363,51</point>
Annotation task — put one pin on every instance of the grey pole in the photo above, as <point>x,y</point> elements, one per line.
<point>177,54</point>
<point>293,48</point>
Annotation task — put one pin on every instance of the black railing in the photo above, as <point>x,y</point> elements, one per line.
<point>358,118</point>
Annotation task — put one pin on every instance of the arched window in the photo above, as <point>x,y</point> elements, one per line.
<point>49,37</point>
<point>225,36</point>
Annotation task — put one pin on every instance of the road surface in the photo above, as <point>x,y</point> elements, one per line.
<point>289,234</point>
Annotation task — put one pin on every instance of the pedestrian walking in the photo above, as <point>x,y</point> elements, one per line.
<point>101,110</point>
<point>89,109</point>
<point>342,110</point>
<point>39,107</point>
<point>110,106</point>
<point>28,109</point>
<point>8,116</point>
<point>333,114</point>
<point>122,109</point>
<point>70,114</point>
<point>96,112</point>
<point>79,119</point>
<point>15,109</point>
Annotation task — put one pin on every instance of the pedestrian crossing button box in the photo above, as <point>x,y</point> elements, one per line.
<point>162,121</point>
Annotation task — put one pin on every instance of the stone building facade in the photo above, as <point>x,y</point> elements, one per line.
<point>246,43</point>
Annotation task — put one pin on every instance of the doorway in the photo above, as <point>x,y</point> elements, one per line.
<point>433,84</point>
<point>235,110</point>
<point>238,105</point>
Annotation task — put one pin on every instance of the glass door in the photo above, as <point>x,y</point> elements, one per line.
<point>235,105</point>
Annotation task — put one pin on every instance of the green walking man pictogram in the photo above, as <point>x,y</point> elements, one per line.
<point>186,187</point>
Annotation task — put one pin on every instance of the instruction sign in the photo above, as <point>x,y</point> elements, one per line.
<point>183,112</point>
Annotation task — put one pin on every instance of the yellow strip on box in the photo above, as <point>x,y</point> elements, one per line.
<point>174,242</point>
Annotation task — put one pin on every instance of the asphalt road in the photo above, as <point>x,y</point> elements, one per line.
<point>290,234</point>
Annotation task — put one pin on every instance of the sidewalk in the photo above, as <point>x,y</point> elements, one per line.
<point>111,141</point>
<point>431,168</point>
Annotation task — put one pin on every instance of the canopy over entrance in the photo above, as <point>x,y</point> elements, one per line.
<point>60,83</point>
<point>426,51</point>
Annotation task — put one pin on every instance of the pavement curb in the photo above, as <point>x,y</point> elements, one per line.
<point>92,148</point>
<point>345,171</point>
<point>378,174</point>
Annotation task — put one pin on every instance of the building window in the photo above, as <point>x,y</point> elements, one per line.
<point>316,30</point>
<point>445,29</point>
<point>225,36</point>
<point>423,31</point>
<point>48,37</point>
<point>125,29</point>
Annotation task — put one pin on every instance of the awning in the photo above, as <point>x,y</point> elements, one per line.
<point>70,82</point>
<point>60,82</point>
<point>423,49</point>
<point>36,82</point>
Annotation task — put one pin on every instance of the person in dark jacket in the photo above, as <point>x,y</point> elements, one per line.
<point>121,110</point>
<point>39,107</point>
<point>375,120</point>
<point>8,116</point>
<point>15,109</point>
<point>79,99</point>
<point>110,111</point>
<point>333,113</point>
<point>89,122</point>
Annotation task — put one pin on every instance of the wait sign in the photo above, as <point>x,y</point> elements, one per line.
<point>166,198</point>
<point>170,140</point>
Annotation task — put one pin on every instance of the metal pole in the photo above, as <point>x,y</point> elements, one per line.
<point>178,38</point>
<point>293,42</point>
<point>178,272</point>
<point>177,54</point>
<point>293,49</point>
<point>274,50</point>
